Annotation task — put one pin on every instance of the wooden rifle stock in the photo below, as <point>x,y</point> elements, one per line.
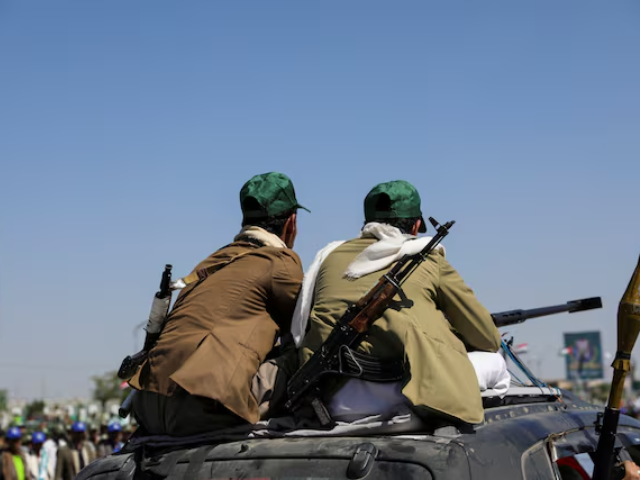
<point>373,305</point>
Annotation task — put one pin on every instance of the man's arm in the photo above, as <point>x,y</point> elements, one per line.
<point>466,314</point>
<point>285,287</point>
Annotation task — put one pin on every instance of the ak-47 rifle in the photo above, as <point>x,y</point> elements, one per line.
<point>157,317</point>
<point>352,328</point>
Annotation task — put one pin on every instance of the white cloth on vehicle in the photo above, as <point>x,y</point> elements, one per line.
<point>491,370</point>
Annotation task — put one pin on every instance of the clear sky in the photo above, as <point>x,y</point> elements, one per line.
<point>128,128</point>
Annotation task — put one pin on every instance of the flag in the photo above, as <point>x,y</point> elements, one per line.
<point>521,348</point>
<point>124,385</point>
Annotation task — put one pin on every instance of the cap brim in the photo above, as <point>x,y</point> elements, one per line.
<point>423,226</point>
<point>303,208</point>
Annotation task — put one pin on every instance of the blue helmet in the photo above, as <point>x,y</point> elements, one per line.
<point>14,433</point>
<point>79,427</point>
<point>114,427</point>
<point>38,437</point>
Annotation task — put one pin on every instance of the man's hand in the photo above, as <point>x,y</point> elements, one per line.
<point>631,471</point>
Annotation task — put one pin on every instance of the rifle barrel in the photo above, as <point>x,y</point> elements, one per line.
<point>513,317</point>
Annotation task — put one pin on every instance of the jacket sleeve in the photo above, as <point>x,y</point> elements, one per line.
<point>472,322</point>
<point>285,287</point>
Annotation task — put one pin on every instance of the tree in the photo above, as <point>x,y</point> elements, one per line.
<point>34,409</point>
<point>107,387</point>
<point>4,400</point>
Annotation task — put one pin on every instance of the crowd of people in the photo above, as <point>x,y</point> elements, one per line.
<point>56,451</point>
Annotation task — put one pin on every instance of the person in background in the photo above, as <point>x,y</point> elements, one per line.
<point>94,435</point>
<point>51,448</point>
<point>113,443</point>
<point>76,455</point>
<point>14,461</point>
<point>127,432</point>
<point>40,466</point>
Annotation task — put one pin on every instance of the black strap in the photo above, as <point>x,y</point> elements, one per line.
<point>368,367</point>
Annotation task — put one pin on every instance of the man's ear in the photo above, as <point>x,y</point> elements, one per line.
<point>290,231</point>
<point>416,227</point>
<point>290,224</point>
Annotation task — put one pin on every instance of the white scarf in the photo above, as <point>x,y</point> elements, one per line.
<point>260,234</point>
<point>391,246</point>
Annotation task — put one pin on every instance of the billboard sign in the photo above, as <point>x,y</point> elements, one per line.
<point>583,355</point>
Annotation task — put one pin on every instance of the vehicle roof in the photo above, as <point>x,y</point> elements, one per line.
<point>513,424</point>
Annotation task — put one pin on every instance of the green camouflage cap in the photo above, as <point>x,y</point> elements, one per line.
<point>397,199</point>
<point>267,195</point>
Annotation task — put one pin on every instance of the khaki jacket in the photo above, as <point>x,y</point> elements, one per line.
<point>433,335</point>
<point>220,330</point>
<point>68,462</point>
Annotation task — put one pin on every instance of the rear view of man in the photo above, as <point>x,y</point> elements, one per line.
<point>113,443</point>
<point>40,463</point>
<point>76,455</point>
<point>14,460</point>
<point>221,329</point>
<point>429,333</point>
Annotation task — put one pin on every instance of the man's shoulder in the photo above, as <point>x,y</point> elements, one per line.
<point>285,254</point>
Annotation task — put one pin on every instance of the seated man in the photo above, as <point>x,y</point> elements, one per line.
<point>430,334</point>
<point>199,375</point>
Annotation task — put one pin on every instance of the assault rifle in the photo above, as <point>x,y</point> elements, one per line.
<point>352,328</point>
<point>513,317</point>
<point>157,317</point>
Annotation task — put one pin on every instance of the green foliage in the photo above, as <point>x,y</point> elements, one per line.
<point>107,387</point>
<point>4,400</point>
<point>34,409</point>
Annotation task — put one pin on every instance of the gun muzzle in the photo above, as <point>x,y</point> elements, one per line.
<point>127,405</point>
<point>585,304</point>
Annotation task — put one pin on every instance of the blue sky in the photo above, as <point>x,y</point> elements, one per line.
<point>129,128</point>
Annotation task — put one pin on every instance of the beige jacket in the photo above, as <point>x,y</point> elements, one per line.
<point>432,335</point>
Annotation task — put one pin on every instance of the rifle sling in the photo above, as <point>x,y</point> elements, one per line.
<point>203,273</point>
<point>367,367</point>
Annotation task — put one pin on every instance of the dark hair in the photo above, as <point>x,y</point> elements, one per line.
<point>403,224</point>
<point>383,204</point>
<point>273,224</point>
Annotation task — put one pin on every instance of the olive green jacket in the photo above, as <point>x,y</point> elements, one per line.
<point>433,335</point>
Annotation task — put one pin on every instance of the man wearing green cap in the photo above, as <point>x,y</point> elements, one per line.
<point>203,373</point>
<point>430,334</point>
